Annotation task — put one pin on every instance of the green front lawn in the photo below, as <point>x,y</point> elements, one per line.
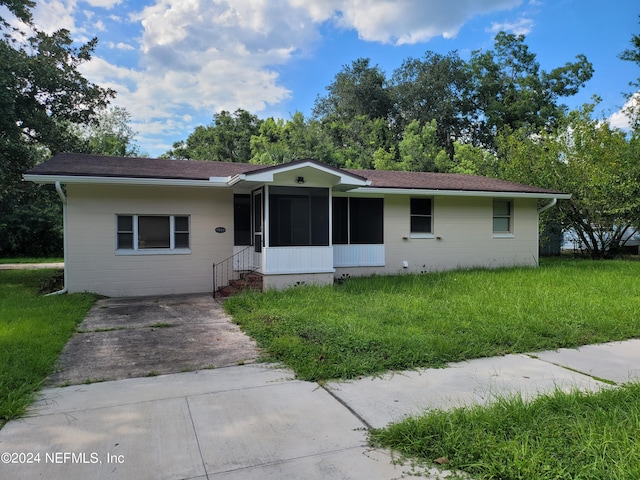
<point>33,331</point>
<point>31,260</point>
<point>557,436</point>
<point>368,325</point>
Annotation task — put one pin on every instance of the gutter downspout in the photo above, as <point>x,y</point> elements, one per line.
<point>63,198</point>
<point>547,207</point>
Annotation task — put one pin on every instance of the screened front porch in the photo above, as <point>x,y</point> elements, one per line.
<point>308,230</point>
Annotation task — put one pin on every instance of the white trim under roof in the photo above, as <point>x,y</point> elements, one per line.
<point>457,193</point>
<point>171,182</point>
<point>221,182</point>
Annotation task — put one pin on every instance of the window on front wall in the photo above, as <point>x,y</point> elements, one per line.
<point>358,221</point>
<point>502,216</point>
<point>152,232</point>
<point>421,216</point>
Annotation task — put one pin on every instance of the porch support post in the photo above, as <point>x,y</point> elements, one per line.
<point>265,221</point>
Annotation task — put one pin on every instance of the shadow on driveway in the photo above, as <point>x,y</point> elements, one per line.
<point>146,336</point>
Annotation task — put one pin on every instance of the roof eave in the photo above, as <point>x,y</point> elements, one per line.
<point>459,193</point>
<point>95,180</point>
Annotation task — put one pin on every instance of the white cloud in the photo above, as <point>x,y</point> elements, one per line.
<point>108,4</point>
<point>402,21</point>
<point>53,15</point>
<point>621,118</point>
<point>120,46</point>
<point>522,26</point>
<point>197,57</point>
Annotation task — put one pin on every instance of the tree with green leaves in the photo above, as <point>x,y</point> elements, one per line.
<point>419,148</point>
<point>435,87</point>
<point>227,139</point>
<point>279,141</point>
<point>358,90</point>
<point>110,134</point>
<point>510,90</point>
<point>594,162</point>
<point>42,95</point>
<point>632,54</point>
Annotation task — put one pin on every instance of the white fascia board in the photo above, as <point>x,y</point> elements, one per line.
<point>458,193</point>
<point>167,182</point>
<point>267,177</point>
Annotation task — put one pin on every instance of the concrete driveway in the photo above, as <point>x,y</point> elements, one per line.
<point>146,336</point>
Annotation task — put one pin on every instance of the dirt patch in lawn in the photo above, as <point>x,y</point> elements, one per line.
<point>137,337</point>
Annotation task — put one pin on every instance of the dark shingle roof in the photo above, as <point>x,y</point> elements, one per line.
<point>443,181</point>
<point>82,165</point>
<point>77,164</point>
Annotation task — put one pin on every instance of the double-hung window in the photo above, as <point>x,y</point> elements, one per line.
<point>421,217</point>
<point>152,234</point>
<point>502,218</point>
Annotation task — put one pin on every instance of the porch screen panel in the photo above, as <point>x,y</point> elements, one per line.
<point>365,220</point>
<point>298,216</point>
<point>340,212</point>
<point>320,218</point>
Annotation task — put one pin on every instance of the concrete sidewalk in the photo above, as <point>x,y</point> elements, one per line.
<point>258,422</point>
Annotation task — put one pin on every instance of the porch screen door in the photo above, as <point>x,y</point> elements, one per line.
<point>257,212</point>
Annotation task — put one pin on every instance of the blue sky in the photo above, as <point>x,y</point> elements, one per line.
<point>174,63</point>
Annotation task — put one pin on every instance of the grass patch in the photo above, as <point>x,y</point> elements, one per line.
<point>368,325</point>
<point>161,325</point>
<point>4,261</point>
<point>33,331</point>
<point>559,435</point>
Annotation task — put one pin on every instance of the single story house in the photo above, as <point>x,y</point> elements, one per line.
<point>139,226</point>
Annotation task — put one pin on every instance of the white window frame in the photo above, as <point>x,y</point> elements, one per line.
<point>172,250</point>
<point>413,234</point>
<point>502,234</point>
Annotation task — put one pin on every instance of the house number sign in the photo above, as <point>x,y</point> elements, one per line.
<point>220,229</point>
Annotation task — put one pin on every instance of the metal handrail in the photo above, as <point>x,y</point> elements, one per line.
<point>226,269</point>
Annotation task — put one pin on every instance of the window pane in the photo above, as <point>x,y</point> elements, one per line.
<point>340,221</point>
<point>125,223</point>
<point>366,220</point>
<point>421,206</point>
<point>153,232</point>
<point>501,224</point>
<point>420,224</point>
<point>241,220</point>
<point>501,208</point>
<point>182,240</point>
<point>125,241</point>
<point>181,224</point>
